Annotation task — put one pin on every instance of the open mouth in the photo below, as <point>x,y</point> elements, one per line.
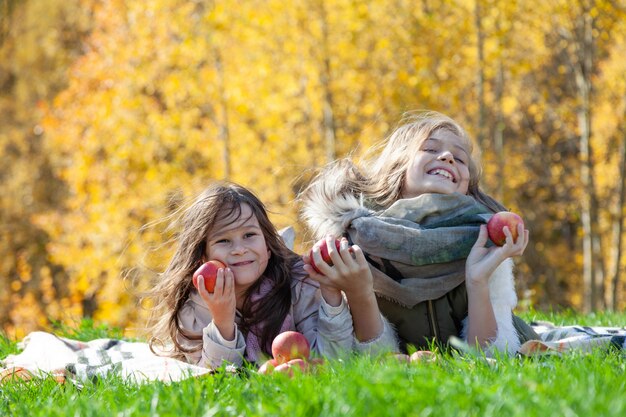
<point>442,173</point>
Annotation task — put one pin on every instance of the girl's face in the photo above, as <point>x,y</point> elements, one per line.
<point>239,243</point>
<point>441,165</point>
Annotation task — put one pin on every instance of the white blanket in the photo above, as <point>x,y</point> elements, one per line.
<point>561,339</point>
<point>45,354</point>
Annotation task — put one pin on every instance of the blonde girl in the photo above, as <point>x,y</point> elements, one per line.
<point>415,207</point>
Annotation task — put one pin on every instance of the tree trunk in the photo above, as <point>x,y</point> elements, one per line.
<point>223,128</point>
<point>6,9</point>
<point>480,76</point>
<point>593,265</point>
<point>618,226</point>
<point>498,134</point>
<point>328,122</point>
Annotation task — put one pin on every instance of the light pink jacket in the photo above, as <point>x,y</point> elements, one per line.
<point>328,329</point>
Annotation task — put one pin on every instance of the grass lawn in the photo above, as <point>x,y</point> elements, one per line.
<point>575,384</point>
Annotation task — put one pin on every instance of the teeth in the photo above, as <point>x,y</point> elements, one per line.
<point>442,172</point>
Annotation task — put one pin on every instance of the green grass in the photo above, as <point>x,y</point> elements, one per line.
<point>571,385</point>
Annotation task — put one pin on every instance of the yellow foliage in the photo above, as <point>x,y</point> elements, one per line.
<point>149,101</point>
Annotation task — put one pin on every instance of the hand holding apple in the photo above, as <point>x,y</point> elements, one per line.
<point>497,222</point>
<point>208,270</point>
<point>324,253</point>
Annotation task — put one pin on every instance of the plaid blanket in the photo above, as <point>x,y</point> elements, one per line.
<point>45,354</point>
<point>561,339</point>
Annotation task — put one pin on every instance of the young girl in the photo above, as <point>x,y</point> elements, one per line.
<point>418,213</point>
<point>262,292</point>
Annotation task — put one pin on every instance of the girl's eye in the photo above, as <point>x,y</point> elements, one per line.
<point>250,234</point>
<point>221,241</point>
<point>429,150</point>
<point>460,160</point>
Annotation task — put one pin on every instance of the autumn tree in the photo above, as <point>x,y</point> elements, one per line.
<point>37,42</point>
<point>114,114</point>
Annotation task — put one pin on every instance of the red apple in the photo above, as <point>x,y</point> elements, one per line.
<point>290,345</point>
<point>324,252</point>
<point>498,221</point>
<point>268,367</point>
<point>422,356</point>
<point>401,357</point>
<point>295,364</point>
<point>208,270</point>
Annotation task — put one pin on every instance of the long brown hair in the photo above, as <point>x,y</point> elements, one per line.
<point>222,200</point>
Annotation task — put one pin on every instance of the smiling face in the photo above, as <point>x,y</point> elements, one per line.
<point>440,165</point>
<point>238,241</point>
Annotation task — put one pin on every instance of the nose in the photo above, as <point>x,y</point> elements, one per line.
<point>239,247</point>
<point>446,156</point>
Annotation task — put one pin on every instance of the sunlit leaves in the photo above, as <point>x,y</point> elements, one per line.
<point>146,102</point>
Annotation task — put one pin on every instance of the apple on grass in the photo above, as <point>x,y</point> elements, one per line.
<point>497,222</point>
<point>288,368</point>
<point>417,356</point>
<point>208,270</point>
<point>268,367</point>
<point>422,356</point>
<point>291,351</point>
<point>290,345</point>
<point>400,357</point>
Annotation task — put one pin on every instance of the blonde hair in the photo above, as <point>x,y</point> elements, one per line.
<point>379,178</point>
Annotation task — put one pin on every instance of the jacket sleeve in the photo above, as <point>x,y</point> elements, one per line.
<point>387,341</point>
<point>503,300</point>
<point>214,350</point>
<point>328,329</point>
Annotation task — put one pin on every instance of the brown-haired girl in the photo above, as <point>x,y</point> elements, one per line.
<point>263,291</point>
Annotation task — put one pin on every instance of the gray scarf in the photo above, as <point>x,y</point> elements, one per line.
<point>418,246</point>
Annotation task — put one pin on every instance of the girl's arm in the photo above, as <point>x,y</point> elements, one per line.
<point>481,264</point>
<point>212,348</point>
<point>328,328</point>
<point>222,302</point>
<point>351,274</point>
<point>213,314</point>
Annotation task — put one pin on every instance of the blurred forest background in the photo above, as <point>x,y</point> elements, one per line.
<point>113,113</point>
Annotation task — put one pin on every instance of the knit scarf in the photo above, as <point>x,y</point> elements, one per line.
<point>418,246</point>
<point>253,342</point>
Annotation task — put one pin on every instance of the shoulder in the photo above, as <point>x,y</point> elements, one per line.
<point>301,284</point>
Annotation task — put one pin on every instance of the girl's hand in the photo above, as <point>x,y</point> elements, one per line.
<point>331,294</point>
<point>483,261</point>
<point>222,303</point>
<point>351,274</point>
<point>350,271</point>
